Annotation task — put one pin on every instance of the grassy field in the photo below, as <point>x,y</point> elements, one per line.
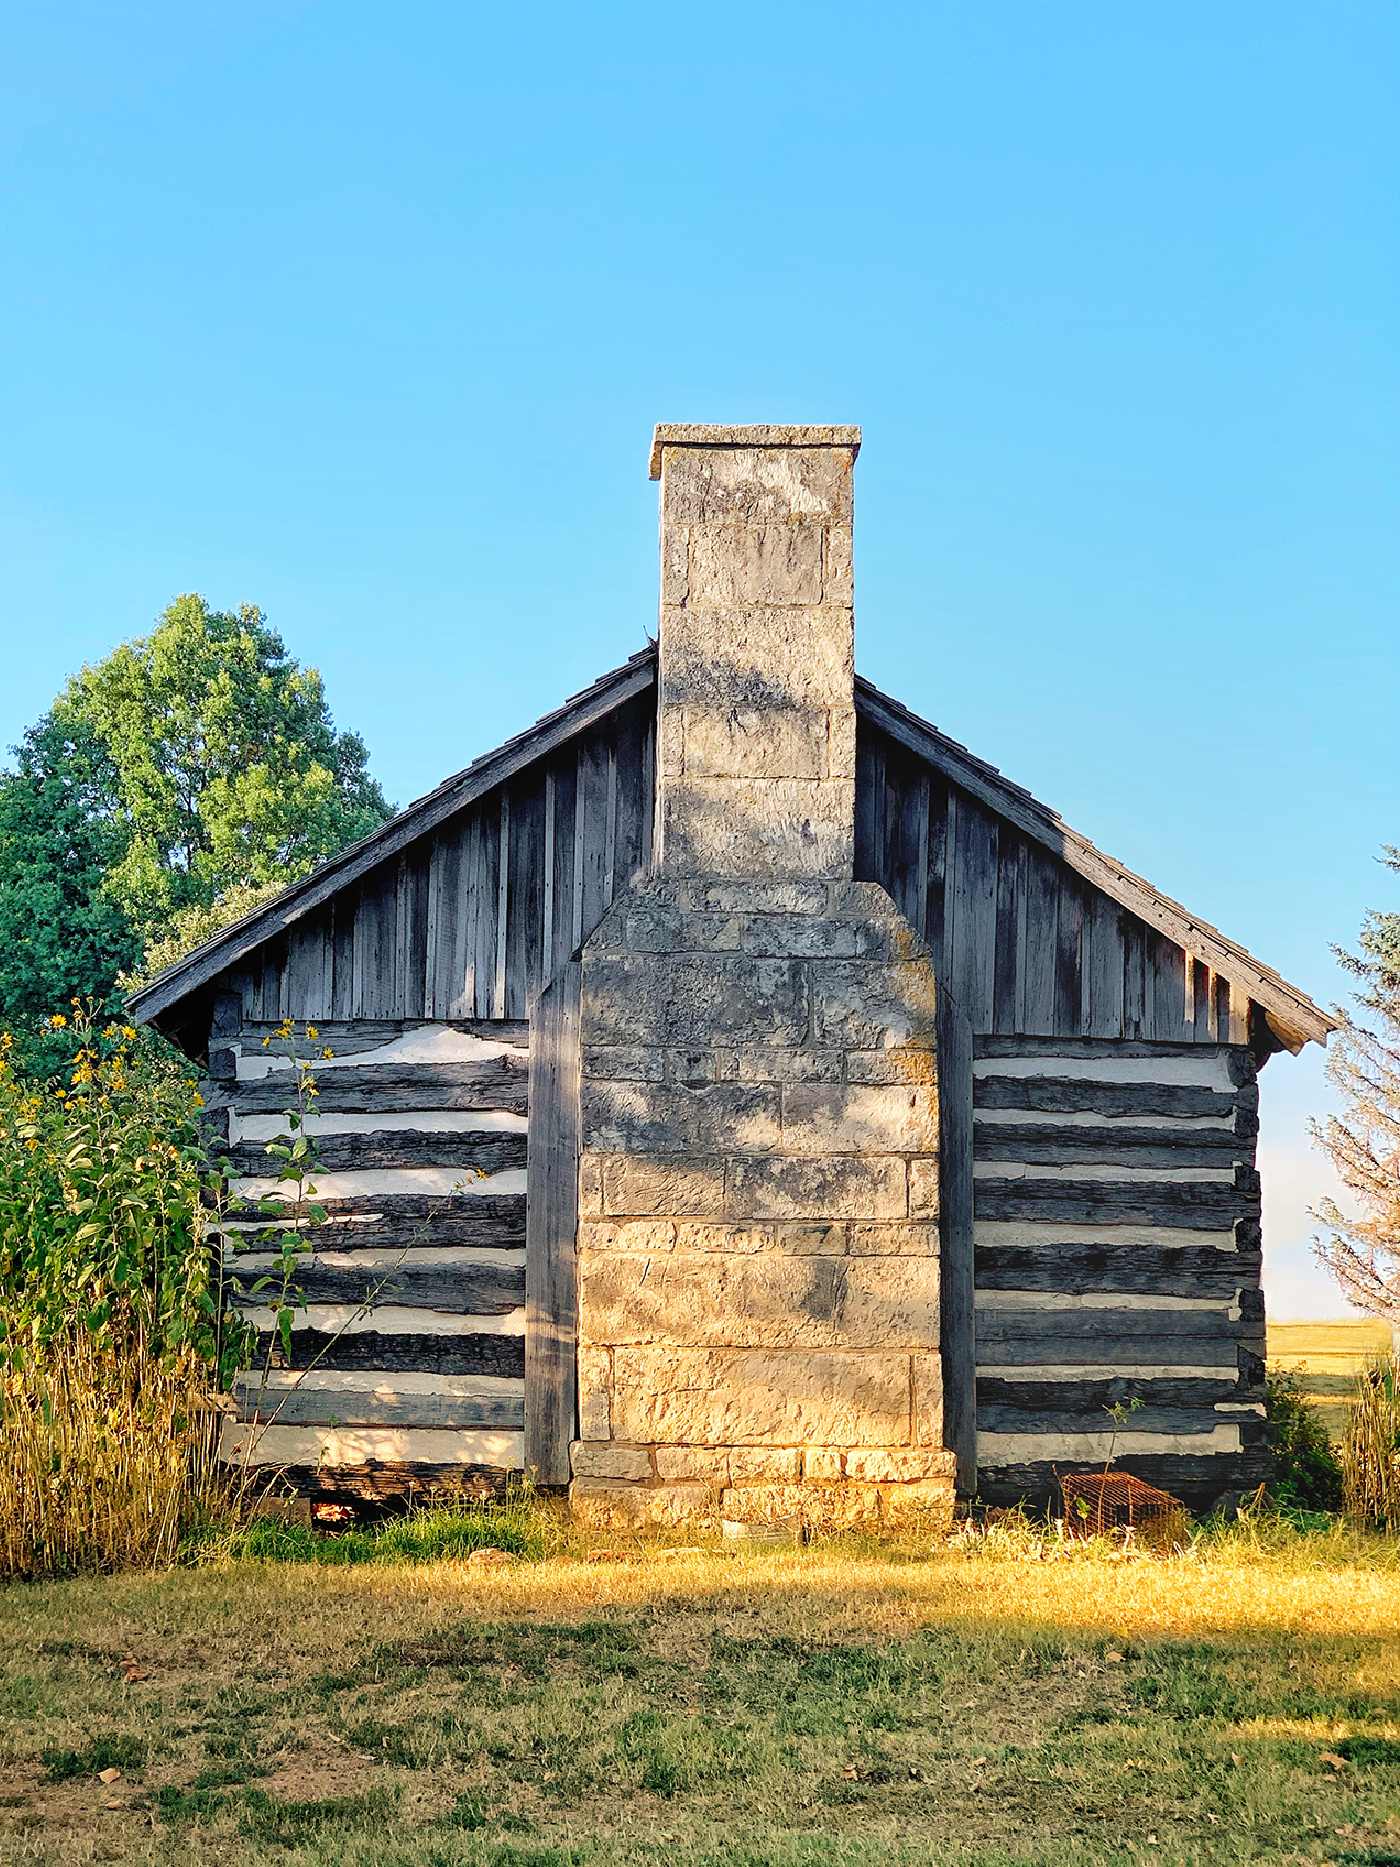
<point>1326,1357</point>
<point>838,1704</point>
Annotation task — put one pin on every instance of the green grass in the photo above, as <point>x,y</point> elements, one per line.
<point>838,1707</point>
<point>435,1533</point>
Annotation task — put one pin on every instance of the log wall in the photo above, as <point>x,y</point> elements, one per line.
<point>408,1351</point>
<point>1117,1257</point>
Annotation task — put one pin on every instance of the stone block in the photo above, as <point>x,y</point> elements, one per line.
<point>707,1465</point>
<point>928,1400</point>
<point>898,1464</point>
<point>825,1240</point>
<point>819,1188</point>
<point>594,1391</point>
<point>773,1065</point>
<point>709,1397</point>
<point>675,564</point>
<point>676,1118</point>
<point>626,1235</point>
<point>660,1186</point>
<point>841,743</point>
<point>873,1007</point>
<point>822,1465</point>
<point>863,1118</point>
<point>897,1240</point>
<point>923,1189</point>
<point>908,1065</point>
<point>775,1299</point>
<point>759,826</point>
<point>596,1505</point>
<point>793,936</point>
<point>606,1459</point>
<point>623,1063</point>
<point>792,657</point>
<point>754,742</point>
<point>819,1507</point>
<point>691,1067</point>
<point>926,1505</point>
<point>765,1465</point>
<point>712,485</point>
<point>743,1240</point>
<point>793,897</point>
<point>590,1185</point>
<point>838,583</point>
<point>722,1001</point>
<point>776,564</point>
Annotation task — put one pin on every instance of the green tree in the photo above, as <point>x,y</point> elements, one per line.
<point>1363,1143</point>
<point>229,774</point>
<point>61,935</point>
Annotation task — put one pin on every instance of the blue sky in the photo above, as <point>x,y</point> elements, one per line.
<point>365,314</point>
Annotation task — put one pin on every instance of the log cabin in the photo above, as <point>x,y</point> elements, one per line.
<point>744,1099</point>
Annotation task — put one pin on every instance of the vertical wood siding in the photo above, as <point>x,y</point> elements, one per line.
<point>475,919</point>
<point>1025,945</point>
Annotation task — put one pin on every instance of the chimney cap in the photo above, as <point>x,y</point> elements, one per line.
<point>758,434</point>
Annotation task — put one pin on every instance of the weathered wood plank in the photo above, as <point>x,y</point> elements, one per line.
<point>1082,1095</point>
<point>479,1151</point>
<point>1198,1482</point>
<point>1181,1150</point>
<point>957,1312</point>
<point>1042,943</point>
<point>1190,1351</point>
<point>316,1407</point>
<point>593,833</point>
<point>1115,1202</point>
<point>398,1088</point>
<point>932,926</point>
<point>551,1300</point>
<point>498,991</point>
<point>459,1289</point>
<point>477,1353</point>
<point>992,1417</point>
<point>488,886</point>
<point>1106,968</point>
<point>1069,959</point>
<point>1092,1396</point>
<point>565,788</point>
<point>1009,919</point>
<point>1185,1271</point>
<point>974,933</point>
<point>1051,1327</point>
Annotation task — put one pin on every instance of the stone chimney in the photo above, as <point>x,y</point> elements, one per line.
<point>757,725</point>
<point>758,1192</point>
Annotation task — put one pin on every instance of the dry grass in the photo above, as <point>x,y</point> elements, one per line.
<point>105,1452</point>
<point>835,1704</point>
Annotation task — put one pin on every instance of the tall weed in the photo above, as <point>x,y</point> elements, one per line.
<point>1371,1447</point>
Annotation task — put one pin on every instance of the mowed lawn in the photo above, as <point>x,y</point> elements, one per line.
<point>833,1704</point>
<point>1326,1357</point>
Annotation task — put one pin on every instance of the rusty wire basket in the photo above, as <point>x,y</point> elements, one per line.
<point>1116,1503</point>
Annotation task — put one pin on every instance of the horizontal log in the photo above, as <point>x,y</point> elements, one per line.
<point>1091,1397</point>
<point>399,1218</point>
<point>1235,1059</point>
<point>996,1417</point>
<point>1192,1351</point>
<point>1079,1270</point>
<point>464,1289</point>
<point>1078,1096</point>
<point>388,1480</point>
<point>315,1407</point>
<point>483,1152</point>
<point>1087,1148</point>
<point>399,1088</point>
<point>1118,1202</point>
<point>1101,1326</point>
<point>471,1446</point>
<point>478,1353</point>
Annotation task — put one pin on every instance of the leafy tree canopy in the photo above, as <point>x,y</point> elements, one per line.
<point>61,935</point>
<point>229,773</point>
<point>173,785</point>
